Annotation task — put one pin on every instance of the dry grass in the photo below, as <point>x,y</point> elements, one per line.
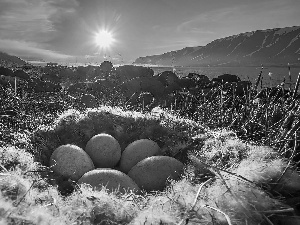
<point>29,197</point>
<point>228,179</point>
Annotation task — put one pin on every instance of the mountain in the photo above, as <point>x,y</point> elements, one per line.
<point>9,60</point>
<point>274,47</point>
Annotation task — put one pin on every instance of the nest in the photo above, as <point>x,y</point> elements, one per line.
<point>74,127</point>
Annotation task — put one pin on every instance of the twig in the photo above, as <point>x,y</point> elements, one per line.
<point>3,168</point>
<point>268,220</point>
<point>199,162</point>
<point>279,211</point>
<point>237,199</point>
<point>199,190</point>
<point>218,210</point>
<point>22,197</point>
<point>25,193</point>
<point>184,220</point>
<point>223,180</point>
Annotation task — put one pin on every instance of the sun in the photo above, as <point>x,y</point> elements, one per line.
<point>104,39</point>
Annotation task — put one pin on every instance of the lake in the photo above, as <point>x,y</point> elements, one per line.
<point>278,74</point>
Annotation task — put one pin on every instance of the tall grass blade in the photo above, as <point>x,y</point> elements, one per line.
<point>296,87</point>
<point>290,77</point>
<point>258,78</point>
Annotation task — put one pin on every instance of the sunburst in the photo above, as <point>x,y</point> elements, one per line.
<point>104,39</point>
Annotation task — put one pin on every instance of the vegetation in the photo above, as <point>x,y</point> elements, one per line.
<point>240,158</point>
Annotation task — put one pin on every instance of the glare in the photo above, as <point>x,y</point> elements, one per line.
<point>104,39</point>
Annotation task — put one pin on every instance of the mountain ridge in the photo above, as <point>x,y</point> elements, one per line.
<point>10,60</point>
<point>277,46</point>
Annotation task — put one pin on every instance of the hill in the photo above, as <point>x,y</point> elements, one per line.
<point>269,47</point>
<point>9,60</point>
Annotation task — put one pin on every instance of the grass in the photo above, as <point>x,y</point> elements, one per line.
<point>237,152</point>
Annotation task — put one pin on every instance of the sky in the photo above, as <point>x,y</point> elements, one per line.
<point>64,30</point>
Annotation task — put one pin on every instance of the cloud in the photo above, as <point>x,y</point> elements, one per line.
<point>25,29</point>
<point>65,28</point>
<point>68,26</point>
<point>26,16</point>
<point>27,49</point>
<point>174,44</point>
<point>205,22</point>
<point>28,27</point>
<point>243,17</point>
